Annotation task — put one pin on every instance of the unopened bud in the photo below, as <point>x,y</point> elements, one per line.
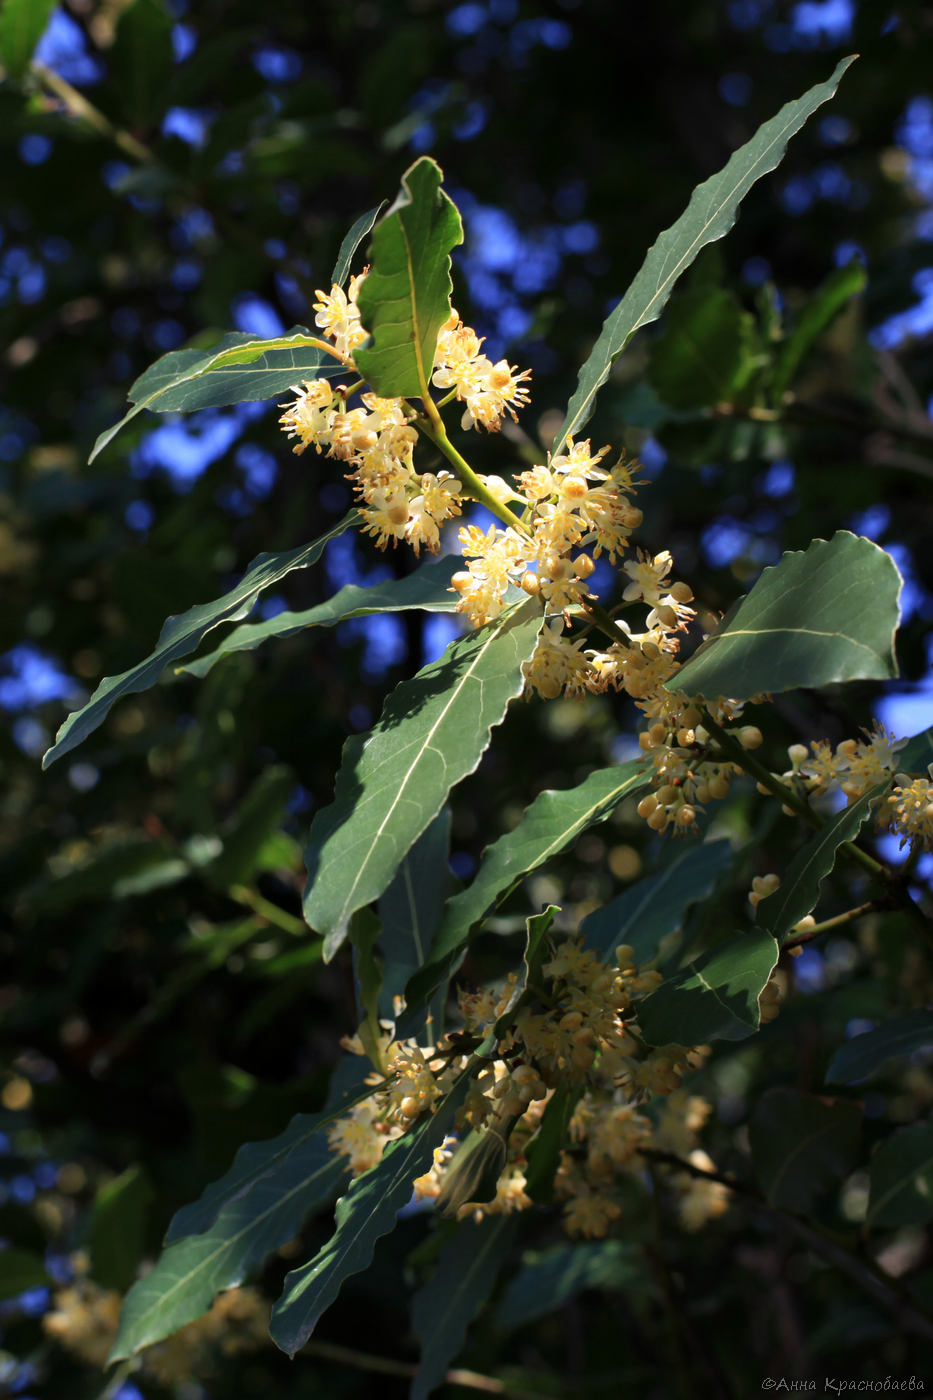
<point>687,815</point>
<point>798,753</point>
<point>751,737</point>
<point>530,583</point>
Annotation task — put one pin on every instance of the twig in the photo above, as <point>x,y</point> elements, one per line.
<point>364,1361</point>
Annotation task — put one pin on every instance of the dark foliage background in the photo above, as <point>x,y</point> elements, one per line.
<point>163,1003</point>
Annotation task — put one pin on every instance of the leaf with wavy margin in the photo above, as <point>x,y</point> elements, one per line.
<point>709,215</point>
<point>180,635</point>
<point>715,997</point>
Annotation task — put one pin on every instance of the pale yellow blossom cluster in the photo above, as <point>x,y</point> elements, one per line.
<point>578,1032</point>
<point>84,1319</point>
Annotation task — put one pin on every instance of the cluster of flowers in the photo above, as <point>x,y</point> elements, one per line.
<point>856,766</point>
<point>582,1035</point>
<point>84,1319</point>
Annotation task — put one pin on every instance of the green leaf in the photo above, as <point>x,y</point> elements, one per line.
<point>799,891</point>
<point>22,24</point>
<point>822,308</point>
<point>406,297</point>
<point>548,825</point>
<point>895,1040</point>
<point>428,588</point>
<point>917,754</point>
<point>247,1229</point>
<point>118,1228</point>
<point>180,635</point>
<point>709,215</point>
<point>544,1149</point>
<point>364,1214</point>
<point>715,997</point>
<point>392,783</point>
<point>901,1178</point>
<point>410,911</point>
<point>258,817</point>
<point>237,369</point>
<point>19,1270</point>
<point>549,1278</point>
<point>704,352</point>
<point>536,930</point>
<point>141,62</point>
<point>822,615</point>
<point>648,911</point>
<point>444,1308</point>
<point>802,1147</point>
<point>363,934</point>
<point>351,242</point>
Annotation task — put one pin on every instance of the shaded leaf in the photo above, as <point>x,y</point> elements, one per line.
<point>118,1229</point>
<point>141,62</point>
<point>551,1277</point>
<point>802,1147</point>
<point>649,910</point>
<point>544,1149</point>
<point>428,588</point>
<point>406,297</point>
<point>248,1228</point>
<point>799,891</point>
<point>709,215</point>
<point>410,911</point>
<point>352,241</point>
<point>239,368</point>
<point>705,350</point>
<point>548,825</point>
<point>392,782</point>
<point>917,753</point>
<point>821,309</point>
<point>366,1212</point>
<point>901,1186</point>
<point>715,997</point>
<point>180,635</point>
<point>22,24</point>
<point>822,615</point>
<point>363,934</point>
<point>19,1270</point>
<point>536,930</point>
<point>444,1308</point>
<point>895,1040</point>
<point>256,819</point>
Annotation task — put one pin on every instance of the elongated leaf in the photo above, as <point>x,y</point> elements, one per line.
<point>802,1147</point>
<point>22,24</point>
<point>260,814</point>
<point>352,241</point>
<point>654,907</point>
<point>428,588</point>
<point>827,301</point>
<point>705,350</point>
<point>432,732</point>
<point>366,1213</point>
<point>444,1308</point>
<point>715,997</point>
<point>190,1273</point>
<point>551,1277</point>
<point>410,911</point>
<point>142,61</point>
<point>238,368</point>
<point>548,825</point>
<point>544,1149</point>
<point>901,1183</point>
<point>406,297</point>
<point>800,889</point>
<point>822,615</point>
<point>536,930</point>
<point>917,754</point>
<point>118,1228</point>
<point>180,635</point>
<point>895,1040</point>
<point>709,215</point>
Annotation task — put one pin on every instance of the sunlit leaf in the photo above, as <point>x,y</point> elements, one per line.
<point>709,215</point>
<point>237,368</point>
<point>822,615</point>
<point>428,588</point>
<point>551,822</point>
<point>364,1214</point>
<point>901,1183</point>
<point>352,241</point>
<point>392,782</point>
<point>444,1308</point>
<point>715,997</point>
<point>799,890</point>
<point>645,913</point>
<point>180,635</point>
<point>895,1040</point>
<point>802,1147</point>
<point>406,297</point>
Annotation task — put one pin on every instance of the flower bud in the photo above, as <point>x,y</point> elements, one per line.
<point>751,737</point>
